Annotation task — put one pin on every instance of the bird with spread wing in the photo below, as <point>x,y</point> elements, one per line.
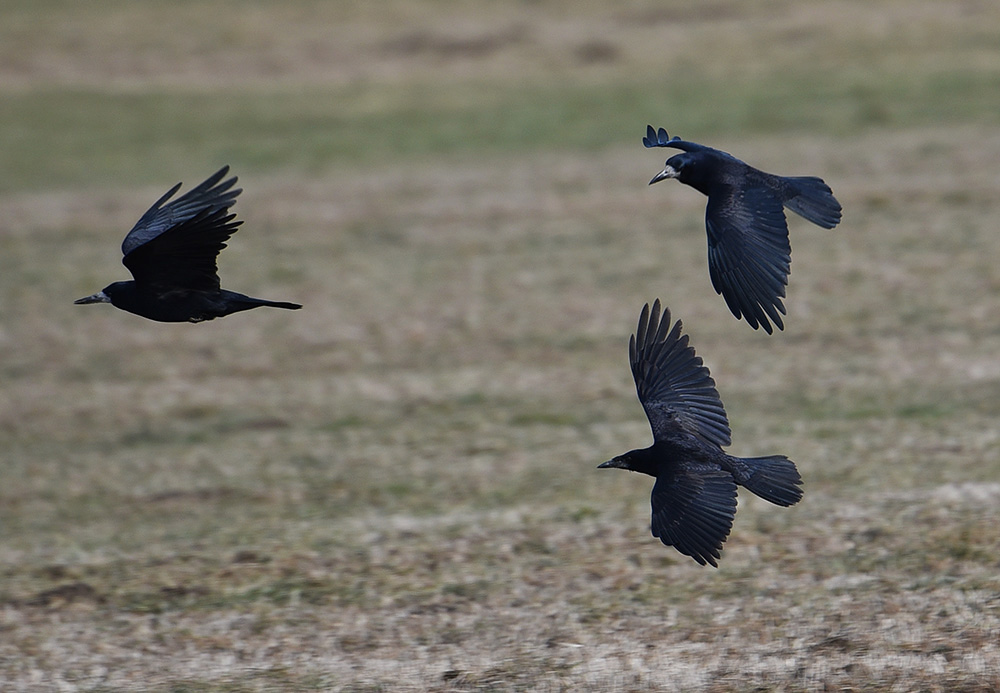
<point>749,256</point>
<point>694,496</point>
<point>171,252</point>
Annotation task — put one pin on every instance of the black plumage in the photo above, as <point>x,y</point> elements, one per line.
<point>749,256</point>
<point>694,497</point>
<point>171,252</point>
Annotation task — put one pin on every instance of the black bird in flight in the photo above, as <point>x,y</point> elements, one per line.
<point>694,497</point>
<point>171,253</point>
<point>749,256</point>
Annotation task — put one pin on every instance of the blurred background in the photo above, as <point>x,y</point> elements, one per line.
<point>395,488</point>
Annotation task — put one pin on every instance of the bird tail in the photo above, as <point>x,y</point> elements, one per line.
<point>774,478</point>
<point>812,198</point>
<point>276,304</point>
<point>235,302</point>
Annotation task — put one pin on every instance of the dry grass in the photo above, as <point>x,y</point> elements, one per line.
<point>394,489</point>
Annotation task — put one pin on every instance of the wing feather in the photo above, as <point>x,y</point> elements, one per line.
<point>208,195</point>
<point>659,138</point>
<point>184,257</point>
<point>693,511</point>
<point>676,390</point>
<point>175,246</point>
<point>749,256</point>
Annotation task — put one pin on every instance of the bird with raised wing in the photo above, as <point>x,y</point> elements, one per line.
<point>694,496</point>
<point>749,256</point>
<point>172,251</point>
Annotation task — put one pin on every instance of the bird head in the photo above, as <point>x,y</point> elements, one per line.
<point>634,461</point>
<point>105,295</point>
<point>676,167</point>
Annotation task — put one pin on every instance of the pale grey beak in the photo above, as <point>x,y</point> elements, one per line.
<point>616,463</point>
<point>99,297</point>
<point>668,172</point>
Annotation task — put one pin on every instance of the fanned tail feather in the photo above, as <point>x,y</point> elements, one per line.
<point>774,478</point>
<point>813,199</point>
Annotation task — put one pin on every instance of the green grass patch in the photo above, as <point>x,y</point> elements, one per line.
<point>97,137</point>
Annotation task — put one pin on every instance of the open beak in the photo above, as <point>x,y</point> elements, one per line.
<point>668,172</point>
<point>99,297</point>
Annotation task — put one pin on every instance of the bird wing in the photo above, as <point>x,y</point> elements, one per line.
<point>184,256</point>
<point>675,389</point>
<point>209,195</point>
<point>693,510</point>
<point>749,256</point>
<point>659,138</point>
<point>175,246</point>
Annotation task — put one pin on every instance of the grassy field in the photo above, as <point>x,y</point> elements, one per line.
<point>394,489</point>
